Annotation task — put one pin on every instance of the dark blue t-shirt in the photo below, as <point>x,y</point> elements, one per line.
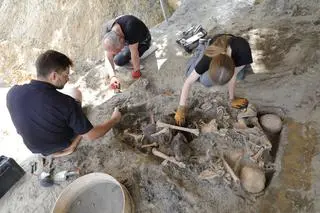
<point>46,119</point>
<point>240,53</point>
<point>134,29</point>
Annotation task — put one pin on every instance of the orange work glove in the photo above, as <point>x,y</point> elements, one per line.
<point>239,103</point>
<point>180,115</point>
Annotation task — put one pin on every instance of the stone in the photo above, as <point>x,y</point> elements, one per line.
<point>271,123</point>
<point>180,147</point>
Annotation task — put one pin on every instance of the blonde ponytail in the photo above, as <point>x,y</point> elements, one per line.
<point>219,46</point>
<point>221,69</point>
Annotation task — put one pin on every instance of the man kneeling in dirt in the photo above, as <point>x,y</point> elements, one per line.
<point>50,122</point>
<point>125,38</point>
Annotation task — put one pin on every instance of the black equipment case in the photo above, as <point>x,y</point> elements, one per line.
<point>10,173</point>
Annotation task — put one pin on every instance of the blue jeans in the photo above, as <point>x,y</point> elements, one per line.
<point>205,78</point>
<point>124,56</point>
<point>242,74</point>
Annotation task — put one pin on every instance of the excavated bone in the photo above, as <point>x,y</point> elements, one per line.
<point>252,179</point>
<point>229,170</point>
<point>233,158</point>
<point>167,158</point>
<point>220,112</point>
<point>257,155</point>
<point>255,134</point>
<point>210,127</point>
<point>216,170</point>
<point>162,131</point>
<point>162,137</point>
<point>241,124</point>
<point>250,111</point>
<point>208,174</point>
<point>193,131</point>
<point>149,145</point>
<point>137,138</point>
<point>206,106</point>
<point>264,139</point>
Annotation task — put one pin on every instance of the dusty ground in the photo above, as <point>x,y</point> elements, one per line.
<point>284,36</point>
<point>72,27</point>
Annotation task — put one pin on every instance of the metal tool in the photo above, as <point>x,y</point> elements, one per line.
<point>64,175</point>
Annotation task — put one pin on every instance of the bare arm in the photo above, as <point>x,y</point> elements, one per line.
<point>108,63</point>
<point>101,129</point>
<point>135,56</point>
<point>232,82</point>
<point>186,87</point>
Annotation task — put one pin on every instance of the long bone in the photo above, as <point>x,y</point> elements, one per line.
<point>167,158</point>
<point>137,138</point>
<point>193,131</point>
<point>267,144</point>
<point>149,145</point>
<point>229,169</point>
<point>164,130</point>
<point>257,155</point>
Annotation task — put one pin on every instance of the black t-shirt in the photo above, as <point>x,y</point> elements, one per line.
<point>134,29</point>
<point>46,119</point>
<point>240,54</point>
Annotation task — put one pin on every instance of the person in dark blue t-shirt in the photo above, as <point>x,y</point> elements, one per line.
<point>125,38</point>
<point>50,122</point>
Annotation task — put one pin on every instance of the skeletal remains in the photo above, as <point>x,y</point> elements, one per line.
<point>229,170</point>
<point>149,145</point>
<point>253,179</point>
<point>247,171</point>
<point>256,135</point>
<point>249,174</point>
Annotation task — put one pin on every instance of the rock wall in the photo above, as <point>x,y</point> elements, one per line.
<point>72,27</point>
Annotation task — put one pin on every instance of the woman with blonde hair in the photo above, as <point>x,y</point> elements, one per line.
<point>226,59</point>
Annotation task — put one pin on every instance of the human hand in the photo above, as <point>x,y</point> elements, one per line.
<point>135,74</point>
<point>114,83</point>
<point>180,115</point>
<point>116,115</point>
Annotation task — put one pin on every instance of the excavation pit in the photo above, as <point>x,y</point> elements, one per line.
<point>201,154</point>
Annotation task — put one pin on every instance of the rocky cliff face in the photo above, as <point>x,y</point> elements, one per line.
<point>72,27</point>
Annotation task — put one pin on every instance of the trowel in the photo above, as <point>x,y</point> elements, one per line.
<point>46,179</point>
<point>64,175</point>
